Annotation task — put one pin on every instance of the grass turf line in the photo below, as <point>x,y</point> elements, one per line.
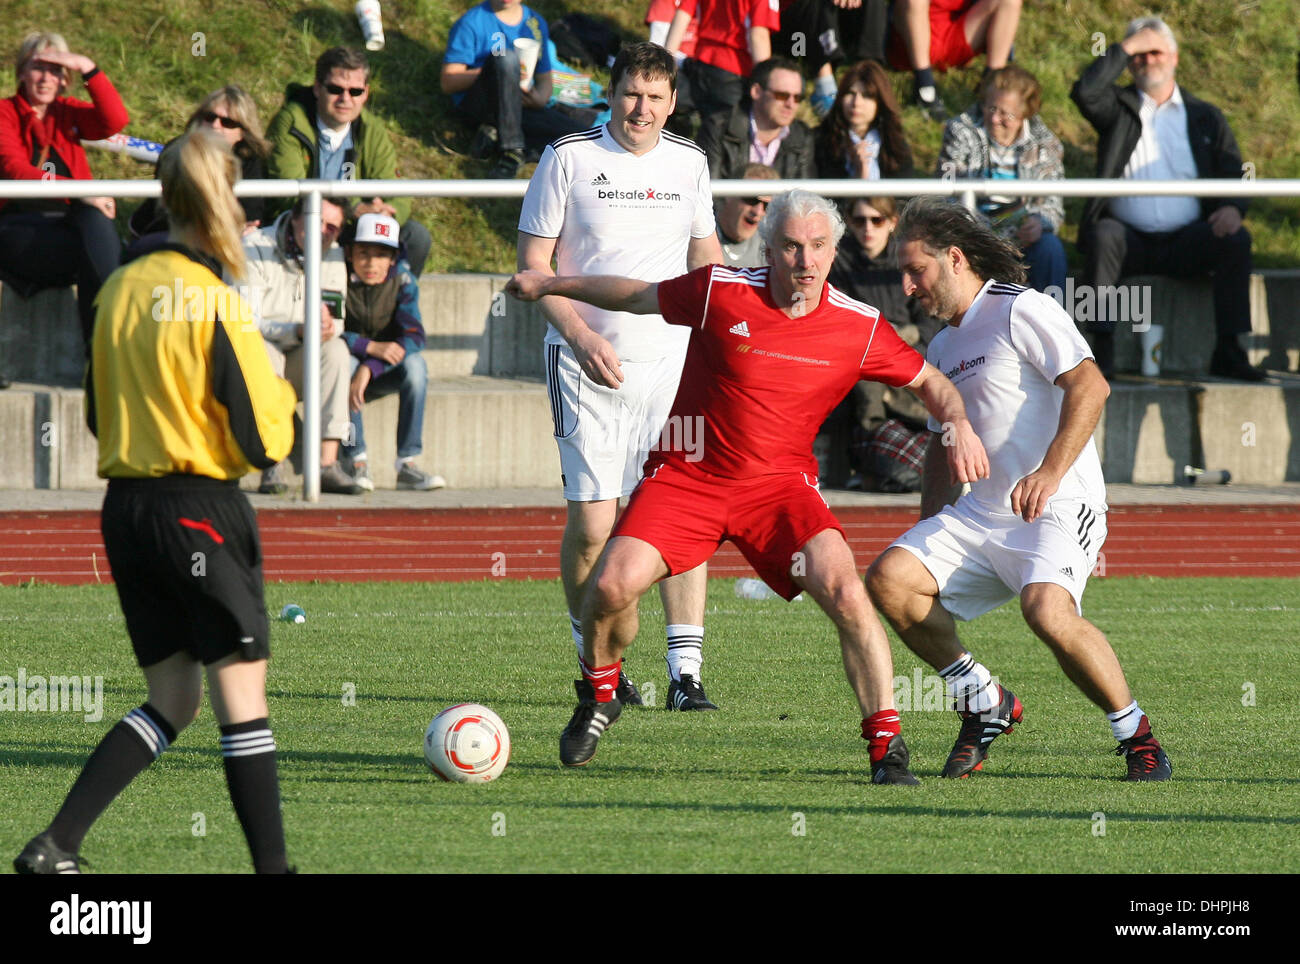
<point>682,792</point>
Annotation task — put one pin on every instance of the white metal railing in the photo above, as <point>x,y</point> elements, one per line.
<point>313,190</point>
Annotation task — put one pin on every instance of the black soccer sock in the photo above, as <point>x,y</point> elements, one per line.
<point>248,751</point>
<point>924,80</point>
<point>137,740</point>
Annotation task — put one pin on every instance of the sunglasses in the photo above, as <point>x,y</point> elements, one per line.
<point>212,117</point>
<point>860,220</point>
<point>754,202</point>
<point>336,91</point>
<point>786,96</point>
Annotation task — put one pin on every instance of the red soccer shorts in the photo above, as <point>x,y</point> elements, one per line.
<point>687,514</point>
<point>949,47</point>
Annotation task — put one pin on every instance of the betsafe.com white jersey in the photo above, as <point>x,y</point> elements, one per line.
<point>617,213</point>
<point>1012,345</point>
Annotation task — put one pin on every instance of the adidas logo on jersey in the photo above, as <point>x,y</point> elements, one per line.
<point>600,180</point>
<point>741,329</point>
<point>1068,572</point>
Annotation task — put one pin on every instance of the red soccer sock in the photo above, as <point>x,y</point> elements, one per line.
<point>878,729</point>
<point>603,679</point>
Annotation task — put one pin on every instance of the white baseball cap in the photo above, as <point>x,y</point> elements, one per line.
<point>377,229</point>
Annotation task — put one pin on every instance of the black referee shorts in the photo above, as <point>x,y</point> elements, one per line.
<point>187,562</point>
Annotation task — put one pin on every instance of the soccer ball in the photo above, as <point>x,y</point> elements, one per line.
<point>467,743</point>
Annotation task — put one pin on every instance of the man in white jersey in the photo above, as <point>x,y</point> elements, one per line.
<point>1034,527</point>
<point>626,199</point>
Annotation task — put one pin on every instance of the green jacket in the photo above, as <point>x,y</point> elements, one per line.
<point>295,145</point>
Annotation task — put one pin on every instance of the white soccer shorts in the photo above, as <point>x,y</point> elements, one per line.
<point>605,434</point>
<point>982,561</point>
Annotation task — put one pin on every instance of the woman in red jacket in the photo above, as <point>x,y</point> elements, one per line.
<point>49,243</point>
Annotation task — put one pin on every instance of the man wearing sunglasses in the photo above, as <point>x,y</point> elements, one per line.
<point>764,131</point>
<point>324,131</point>
<point>738,220</point>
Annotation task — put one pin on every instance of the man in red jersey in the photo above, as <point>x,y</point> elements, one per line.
<point>771,353</point>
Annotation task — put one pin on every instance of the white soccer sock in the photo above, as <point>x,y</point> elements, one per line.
<point>971,685</point>
<point>685,650</point>
<point>1124,723</point>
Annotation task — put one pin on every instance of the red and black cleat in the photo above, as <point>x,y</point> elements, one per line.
<point>978,730</point>
<point>1147,762</point>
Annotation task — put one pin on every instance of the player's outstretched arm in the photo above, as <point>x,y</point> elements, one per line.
<point>604,291</point>
<point>1086,391</point>
<point>967,460</point>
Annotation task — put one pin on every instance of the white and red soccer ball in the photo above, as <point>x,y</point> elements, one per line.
<point>467,743</point>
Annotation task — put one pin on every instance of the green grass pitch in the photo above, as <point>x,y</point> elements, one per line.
<point>776,782</point>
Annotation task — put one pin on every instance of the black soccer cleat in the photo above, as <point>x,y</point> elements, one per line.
<point>41,856</point>
<point>892,767</point>
<point>627,693</point>
<point>978,730</point>
<point>590,721</point>
<point>687,694</point>
<point>1147,761</point>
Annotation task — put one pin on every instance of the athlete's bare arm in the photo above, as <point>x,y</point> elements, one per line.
<point>702,251</point>
<point>967,460</point>
<point>1086,392</point>
<point>594,354</point>
<point>604,291</point>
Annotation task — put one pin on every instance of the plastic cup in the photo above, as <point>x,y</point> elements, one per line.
<point>372,24</point>
<point>528,50</point>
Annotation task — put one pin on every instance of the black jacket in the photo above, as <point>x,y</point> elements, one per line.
<point>727,147</point>
<point>1113,111</point>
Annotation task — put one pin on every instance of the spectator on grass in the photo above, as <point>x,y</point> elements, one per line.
<point>231,113</point>
<point>53,243</point>
<point>1002,138</point>
<point>483,74</point>
<point>764,131</point>
<point>732,37</point>
<point>863,136</point>
<point>276,288</point>
<point>738,219</point>
<point>824,34</point>
<point>930,35</point>
<point>385,335</point>
<point>324,131</point>
<point>1155,130</point>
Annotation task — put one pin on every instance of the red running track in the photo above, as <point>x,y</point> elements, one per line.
<point>438,545</point>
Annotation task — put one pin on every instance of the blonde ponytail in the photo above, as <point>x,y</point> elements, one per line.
<point>197,172</point>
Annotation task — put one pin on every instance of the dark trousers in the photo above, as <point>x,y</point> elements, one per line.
<point>496,99</point>
<point>1114,250</point>
<point>708,90</point>
<point>818,32</point>
<point>41,250</point>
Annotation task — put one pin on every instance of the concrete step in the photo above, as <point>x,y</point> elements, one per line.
<point>479,432</point>
<point>40,337</point>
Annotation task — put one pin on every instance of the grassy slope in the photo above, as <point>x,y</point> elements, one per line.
<point>707,792</point>
<point>1240,55</point>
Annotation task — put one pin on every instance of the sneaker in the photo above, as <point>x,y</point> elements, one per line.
<point>334,478</point>
<point>507,165</point>
<point>41,856</point>
<point>1146,759</point>
<point>978,730</point>
<point>410,477</point>
<point>590,720</point>
<point>273,481</point>
<point>892,768</point>
<point>361,475</point>
<point>933,109</point>
<point>484,144</point>
<point>627,692</point>
<point>687,694</point>
<point>822,102</point>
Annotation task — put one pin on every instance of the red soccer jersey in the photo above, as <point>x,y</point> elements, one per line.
<point>722,30</point>
<point>757,385</point>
